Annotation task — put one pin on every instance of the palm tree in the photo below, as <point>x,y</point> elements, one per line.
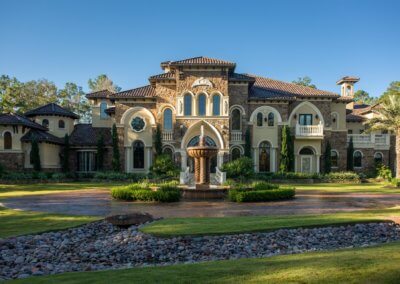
<point>389,120</point>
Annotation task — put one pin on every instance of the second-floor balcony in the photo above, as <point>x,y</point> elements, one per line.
<point>236,136</point>
<point>310,131</point>
<point>167,135</point>
<point>376,141</point>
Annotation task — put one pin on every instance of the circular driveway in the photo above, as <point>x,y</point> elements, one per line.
<point>99,203</point>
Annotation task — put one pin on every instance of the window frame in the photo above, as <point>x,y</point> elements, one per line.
<point>354,159</point>
<point>337,158</point>
<point>305,116</point>
<point>10,141</point>
<point>61,121</point>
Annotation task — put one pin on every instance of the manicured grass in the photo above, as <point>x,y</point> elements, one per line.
<point>349,188</point>
<point>378,264</point>
<point>15,222</point>
<point>230,225</point>
<point>14,190</point>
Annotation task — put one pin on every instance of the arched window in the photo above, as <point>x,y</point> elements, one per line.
<point>335,121</point>
<point>357,159</point>
<point>378,158</point>
<point>306,151</point>
<point>167,119</point>
<point>216,105</point>
<point>235,154</point>
<point>103,107</point>
<point>7,141</point>
<point>259,119</point>
<point>236,119</point>
<point>271,119</point>
<point>45,123</point>
<point>61,124</point>
<point>138,155</point>
<point>187,100</point>
<point>348,91</point>
<point>168,151</point>
<point>264,159</point>
<point>334,158</point>
<point>201,104</point>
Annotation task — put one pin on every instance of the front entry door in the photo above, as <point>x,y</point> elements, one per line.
<point>306,164</point>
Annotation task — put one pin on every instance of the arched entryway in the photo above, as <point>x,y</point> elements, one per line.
<point>306,160</point>
<point>264,159</point>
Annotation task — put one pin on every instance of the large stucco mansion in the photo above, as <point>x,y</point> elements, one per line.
<point>202,91</point>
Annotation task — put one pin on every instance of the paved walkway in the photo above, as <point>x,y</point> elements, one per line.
<point>99,203</point>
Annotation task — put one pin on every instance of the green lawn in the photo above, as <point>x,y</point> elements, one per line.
<point>228,225</point>
<point>15,222</point>
<point>14,190</point>
<point>349,188</point>
<point>378,264</point>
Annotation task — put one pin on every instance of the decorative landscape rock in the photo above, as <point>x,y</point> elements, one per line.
<point>126,220</point>
<point>100,245</point>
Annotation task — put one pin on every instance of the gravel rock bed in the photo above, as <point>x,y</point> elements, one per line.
<point>99,246</point>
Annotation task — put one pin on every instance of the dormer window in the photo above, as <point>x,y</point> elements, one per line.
<point>61,124</point>
<point>103,114</point>
<point>45,123</point>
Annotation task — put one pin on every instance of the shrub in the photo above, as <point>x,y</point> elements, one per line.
<point>396,182</point>
<point>262,185</point>
<point>383,172</point>
<point>118,176</point>
<point>240,168</point>
<point>167,192</point>
<point>164,166</point>
<point>342,177</point>
<point>262,195</point>
<point>122,193</point>
<point>59,176</point>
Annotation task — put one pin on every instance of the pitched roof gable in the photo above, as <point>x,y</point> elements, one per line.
<point>51,109</point>
<point>145,91</point>
<point>16,119</point>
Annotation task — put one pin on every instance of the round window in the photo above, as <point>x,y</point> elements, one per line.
<point>138,124</point>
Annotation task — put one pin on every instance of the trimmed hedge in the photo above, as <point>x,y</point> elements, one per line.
<point>395,182</point>
<point>261,195</point>
<point>331,177</point>
<point>167,192</point>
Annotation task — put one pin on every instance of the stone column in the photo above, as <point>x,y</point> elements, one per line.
<point>183,160</point>
<point>255,159</point>
<point>203,170</point>
<point>197,170</point>
<point>318,158</point>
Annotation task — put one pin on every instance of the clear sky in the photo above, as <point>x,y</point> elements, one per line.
<point>77,40</point>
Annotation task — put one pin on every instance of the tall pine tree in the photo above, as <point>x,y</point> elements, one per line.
<point>327,157</point>
<point>100,152</point>
<point>35,156</point>
<point>116,157</point>
<point>65,156</point>
<point>350,153</point>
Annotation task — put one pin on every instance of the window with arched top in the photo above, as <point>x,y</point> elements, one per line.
<point>271,119</point>
<point>348,91</point>
<point>201,104</point>
<point>7,141</point>
<point>378,158</point>
<point>335,121</point>
<point>216,105</point>
<point>264,158</point>
<point>357,159</point>
<point>138,155</point>
<point>61,123</point>
<point>306,151</point>
<point>259,119</point>
<point>334,158</point>
<point>169,152</point>
<point>235,154</point>
<point>45,123</point>
<point>236,119</point>
<point>103,107</point>
<point>187,101</point>
<point>167,123</point>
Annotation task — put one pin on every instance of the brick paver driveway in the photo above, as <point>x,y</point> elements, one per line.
<point>99,203</point>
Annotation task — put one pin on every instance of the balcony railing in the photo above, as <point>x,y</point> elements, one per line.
<point>369,140</point>
<point>167,135</point>
<point>236,136</point>
<point>309,130</point>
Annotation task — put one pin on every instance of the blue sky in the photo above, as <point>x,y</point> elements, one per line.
<point>77,40</point>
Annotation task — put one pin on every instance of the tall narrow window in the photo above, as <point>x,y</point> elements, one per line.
<point>167,119</point>
<point>201,106</point>
<point>264,159</point>
<point>235,154</point>
<point>271,119</point>
<point>305,119</point>
<point>61,124</point>
<point>357,159</point>
<point>86,161</point>
<point>168,151</point>
<point>138,155</point>
<point>45,123</point>
<point>103,107</point>
<point>187,100</point>
<point>334,159</point>
<point>378,158</point>
<point>7,140</point>
<point>216,105</point>
<point>236,119</point>
<point>259,119</point>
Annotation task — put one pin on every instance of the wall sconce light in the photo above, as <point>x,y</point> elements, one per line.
<point>265,119</point>
<point>316,116</point>
<point>295,116</point>
<point>334,120</point>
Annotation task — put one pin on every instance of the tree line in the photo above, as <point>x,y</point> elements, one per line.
<point>19,97</point>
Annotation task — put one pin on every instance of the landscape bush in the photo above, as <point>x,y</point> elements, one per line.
<point>395,182</point>
<point>341,177</point>
<point>241,168</point>
<point>164,166</point>
<point>261,195</point>
<point>383,172</point>
<point>134,177</point>
<point>262,185</point>
<point>165,192</point>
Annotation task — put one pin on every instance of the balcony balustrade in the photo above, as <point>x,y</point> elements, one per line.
<point>377,141</point>
<point>236,136</point>
<point>311,131</point>
<point>167,135</point>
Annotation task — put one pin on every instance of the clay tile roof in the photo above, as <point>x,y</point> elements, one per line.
<point>266,87</point>
<point>168,75</point>
<point>41,136</point>
<point>104,94</point>
<point>345,99</point>
<point>51,109</point>
<point>351,79</point>
<point>240,77</point>
<point>110,110</point>
<point>145,91</point>
<point>351,117</point>
<point>16,119</point>
<point>201,60</point>
<point>87,135</point>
